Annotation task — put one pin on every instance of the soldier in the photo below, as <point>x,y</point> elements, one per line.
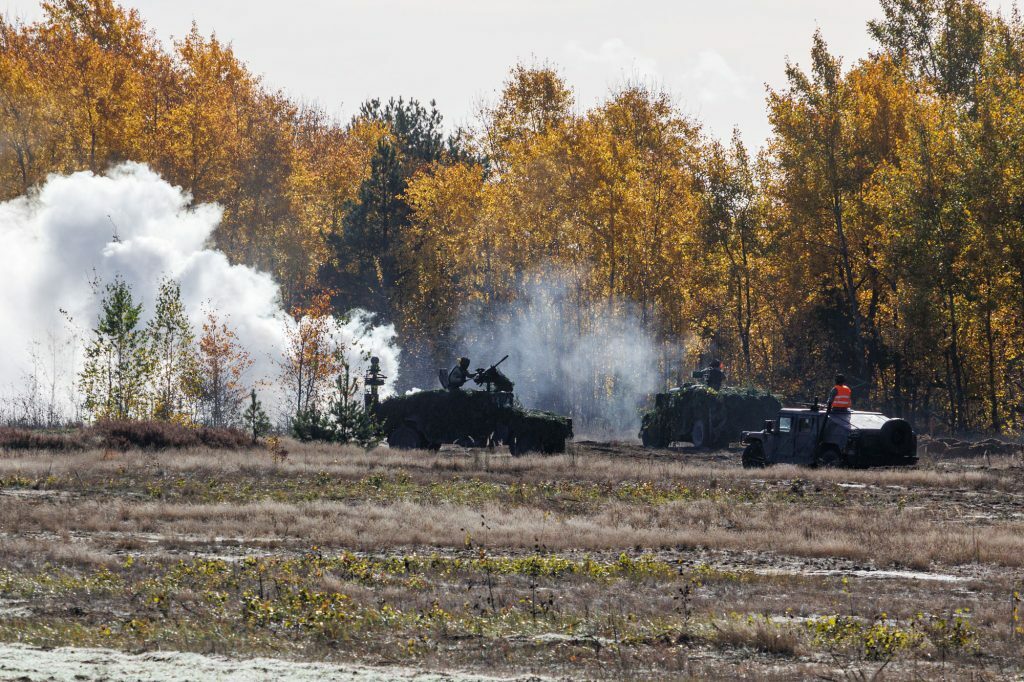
<point>713,376</point>
<point>841,397</point>
<point>459,375</point>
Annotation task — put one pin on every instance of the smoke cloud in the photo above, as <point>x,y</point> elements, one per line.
<point>579,360</point>
<point>61,239</point>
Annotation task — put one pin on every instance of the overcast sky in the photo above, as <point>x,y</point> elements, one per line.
<point>714,56</point>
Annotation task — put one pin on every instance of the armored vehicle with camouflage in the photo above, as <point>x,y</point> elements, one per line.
<point>471,418</point>
<point>843,438</point>
<point>698,414</point>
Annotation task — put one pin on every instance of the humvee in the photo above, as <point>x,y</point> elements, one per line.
<point>842,438</point>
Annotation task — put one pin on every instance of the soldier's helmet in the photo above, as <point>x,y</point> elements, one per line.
<point>717,364</point>
<point>464,363</point>
<point>840,379</point>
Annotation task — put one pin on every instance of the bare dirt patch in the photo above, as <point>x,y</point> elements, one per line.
<point>68,664</point>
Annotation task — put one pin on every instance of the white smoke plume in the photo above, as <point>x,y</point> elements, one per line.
<point>62,238</point>
<point>596,367</point>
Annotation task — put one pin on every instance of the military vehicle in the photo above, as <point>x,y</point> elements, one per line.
<point>843,438</point>
<point>471,418</point>
<point>697,414</point>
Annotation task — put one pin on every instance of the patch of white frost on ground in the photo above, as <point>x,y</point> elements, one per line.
<point>897,575</point>
<point>67,664</point>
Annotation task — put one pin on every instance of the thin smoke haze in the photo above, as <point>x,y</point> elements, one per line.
<point>61,241</point>
<point>577,360</point>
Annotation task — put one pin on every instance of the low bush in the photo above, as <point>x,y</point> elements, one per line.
<point>159,435</point>
<point>28,439</point>
<point>123,435</point>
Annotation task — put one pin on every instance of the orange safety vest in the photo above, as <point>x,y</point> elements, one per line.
<point>843,399</point>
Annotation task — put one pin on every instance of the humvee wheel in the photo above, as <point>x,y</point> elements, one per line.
<point>520,444</point>
<point>829,456</point>
<point>406,437</point>
<point>653,439</point>
<point>753,456</point>
<point>699,435</point>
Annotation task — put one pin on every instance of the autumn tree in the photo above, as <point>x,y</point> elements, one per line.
<point>223,363</point>
<point>941,41</point>
<point>312,357</point>
<point>879,231</point>
<point>736,246</point>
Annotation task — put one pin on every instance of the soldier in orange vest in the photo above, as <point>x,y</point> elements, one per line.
<point>841,398</point>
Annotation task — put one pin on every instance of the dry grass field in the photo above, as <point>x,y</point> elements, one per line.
<point>607,562</point>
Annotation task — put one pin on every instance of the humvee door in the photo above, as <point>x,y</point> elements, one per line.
<point>783,440</point>
<point>805,438</point>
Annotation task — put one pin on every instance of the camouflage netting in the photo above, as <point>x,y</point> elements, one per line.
<point>698,414</point>
<point>473,417</point>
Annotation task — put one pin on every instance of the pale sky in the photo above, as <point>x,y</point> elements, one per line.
<point>714,56</point>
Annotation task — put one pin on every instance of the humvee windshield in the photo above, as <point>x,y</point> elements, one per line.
<point>785,424</point>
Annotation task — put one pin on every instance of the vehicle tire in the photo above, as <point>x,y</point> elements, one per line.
<point>829,456</point>
<point>653,438</point>
<point>699,435</point>
<point>520,444</point>
<point>753,456</point>
<point>898,438</point>
<point>406,437</point>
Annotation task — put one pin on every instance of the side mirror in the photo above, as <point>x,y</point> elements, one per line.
<point>769,426</point>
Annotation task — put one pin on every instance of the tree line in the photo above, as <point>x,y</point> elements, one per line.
<point>879,231</point>
<point>162,371</point>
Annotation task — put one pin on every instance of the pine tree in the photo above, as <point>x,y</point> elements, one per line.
<point>351,421</point>
<point>344,421</point>
<point>255,419</point>
<point>176,363</point>
<point>118,363</point>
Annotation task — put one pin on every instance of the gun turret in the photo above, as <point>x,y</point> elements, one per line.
<point>493,378</point>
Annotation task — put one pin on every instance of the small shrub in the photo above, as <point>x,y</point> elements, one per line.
<point>345,423</point>
<point>123,435</point>
<point>230,439</point>
<point>160,435</point>
<point>28,439</point>
<point>755,632</point>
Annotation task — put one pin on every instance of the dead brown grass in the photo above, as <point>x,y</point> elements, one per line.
<point>1004,473</point>
<point>760,544</point>
<point>913,539</point>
